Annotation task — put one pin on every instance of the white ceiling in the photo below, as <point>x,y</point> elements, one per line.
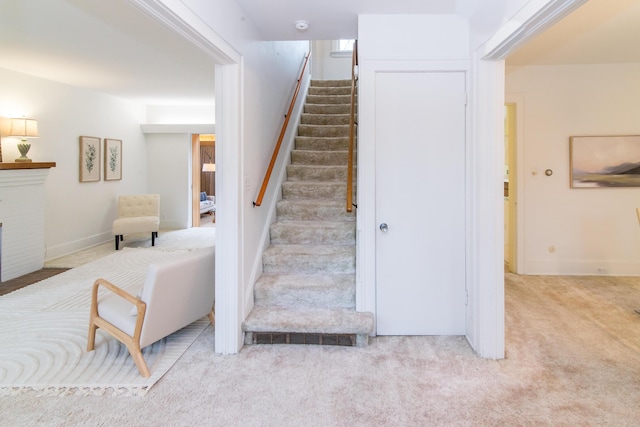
<point>599,32</point>
<point>112,47</point>
<point>104,45</point>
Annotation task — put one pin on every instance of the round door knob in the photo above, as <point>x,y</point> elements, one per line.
<point>384,227</point>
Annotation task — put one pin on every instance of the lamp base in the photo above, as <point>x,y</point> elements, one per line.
<point>23,148</point>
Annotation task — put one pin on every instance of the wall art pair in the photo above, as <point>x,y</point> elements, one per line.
<point>90,154</point>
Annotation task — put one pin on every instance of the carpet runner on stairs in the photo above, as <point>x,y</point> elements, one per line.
<point>308,280</point>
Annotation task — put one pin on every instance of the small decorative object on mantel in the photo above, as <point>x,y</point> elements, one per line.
<point>112,159</point>
<point>605,161</point>
<point>89,159</point>
<point>24,128</point>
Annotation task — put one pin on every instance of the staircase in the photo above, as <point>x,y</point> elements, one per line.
<point>306,293</point>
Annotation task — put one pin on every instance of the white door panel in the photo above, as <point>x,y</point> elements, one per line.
<point>420,195</point>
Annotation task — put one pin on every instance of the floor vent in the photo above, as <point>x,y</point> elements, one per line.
<point>299,338</point>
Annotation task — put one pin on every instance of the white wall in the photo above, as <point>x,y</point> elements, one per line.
<point>326,67</point>
<point>169,173</point>
<point>181,114</point>
<point>78,215</point>
<point>590,228</point>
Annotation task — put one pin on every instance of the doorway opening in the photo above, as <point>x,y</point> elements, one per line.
<point>203,197</point>
<point>510,188</point>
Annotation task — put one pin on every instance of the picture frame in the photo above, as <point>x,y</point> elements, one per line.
<point>112,159</point>
<point>605,161</point>
<point>89,159</point>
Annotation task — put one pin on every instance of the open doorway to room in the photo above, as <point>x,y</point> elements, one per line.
<point>510,188</point>
<point>203,148</point>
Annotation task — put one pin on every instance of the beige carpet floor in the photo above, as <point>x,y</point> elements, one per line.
<point>573,359</point>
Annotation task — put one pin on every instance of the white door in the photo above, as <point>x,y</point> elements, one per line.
<point>420,203</point>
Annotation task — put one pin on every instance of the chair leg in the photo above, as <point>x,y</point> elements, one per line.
<point>153,238</point>
<point>136,354</point>
<point>117,242</point>
<point>91,340</point>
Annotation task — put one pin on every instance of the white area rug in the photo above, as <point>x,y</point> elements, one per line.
<point>43,333</point>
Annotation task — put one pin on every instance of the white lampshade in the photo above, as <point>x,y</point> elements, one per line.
<point>209,167</point>
<point>24,128</point>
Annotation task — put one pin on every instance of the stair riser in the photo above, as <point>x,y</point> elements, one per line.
<point>294,234</point>
<point>330,83</point>
<point>323,131</point>
<point>316,298</point>
<point>317,173</point>
<point>319,158</point>
<point>325,119</point>
<point>321,211</point>
<point>309,263</point>
<point>329,298</point>
<point>322,144</point>
<point>327,108</point>
<point>329,99</point>
<point>317,90</point>
<point>310,190</point>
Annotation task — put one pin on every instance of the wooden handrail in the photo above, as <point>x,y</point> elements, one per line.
<point>274,156</point>
<point>352,126</point>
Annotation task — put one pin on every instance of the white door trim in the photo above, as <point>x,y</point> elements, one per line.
<point>229,148</point>
<point>485,261</point>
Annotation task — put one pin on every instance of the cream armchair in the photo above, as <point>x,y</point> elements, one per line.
<point>176,292</point>
<point>137,214</point>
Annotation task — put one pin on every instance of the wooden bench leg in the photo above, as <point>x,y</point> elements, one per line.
<point>212,317</point>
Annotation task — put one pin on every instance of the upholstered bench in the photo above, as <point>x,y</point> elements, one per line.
<point>137,214</point>
<point>177,291</point>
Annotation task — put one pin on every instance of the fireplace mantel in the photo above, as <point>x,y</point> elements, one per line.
<point>28,165</point>
<point>22,196</point>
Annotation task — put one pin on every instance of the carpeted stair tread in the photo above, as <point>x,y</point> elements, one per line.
<point>327,108</point>
<point>309,259</point>
<point>330,90</point>
<point>314,190</point>
<point>308,320</point>
<point>313,210</point>
<point>325,119</point>
<point>334,173</point>
<point>313,233</point>
<point>340,143</point>
<point>323,130</point>
<point>330,83</point>
<point>306,290</point>
<point>320,158</point>
<point>328,99</point>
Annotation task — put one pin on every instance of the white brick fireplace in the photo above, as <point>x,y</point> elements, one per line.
<point>22,247</point>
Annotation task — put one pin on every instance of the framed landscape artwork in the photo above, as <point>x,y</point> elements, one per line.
<point>112,159</point>
<point>605,161</point>
<point>89,159</point>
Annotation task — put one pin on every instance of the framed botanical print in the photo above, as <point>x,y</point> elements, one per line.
<point>89,159</point>
<point>112,159</point>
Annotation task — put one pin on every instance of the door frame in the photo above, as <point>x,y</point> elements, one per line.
<point>228,90</point>
<point>445,298</point>
<point>485,257</point>
<point>517,193</point>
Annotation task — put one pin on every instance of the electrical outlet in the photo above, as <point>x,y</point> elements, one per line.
<point>602,270</point>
